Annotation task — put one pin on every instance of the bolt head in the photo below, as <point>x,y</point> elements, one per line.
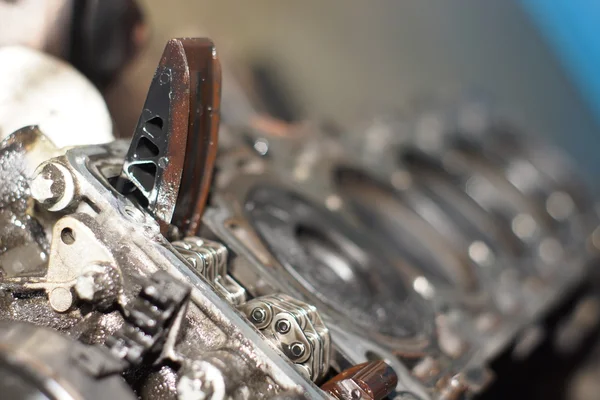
<point>258,315</point>
<point>297,349</point>
<point>48,185</point>
<point>283,326</point>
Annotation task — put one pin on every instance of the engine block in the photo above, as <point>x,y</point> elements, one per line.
<point>397,260</point>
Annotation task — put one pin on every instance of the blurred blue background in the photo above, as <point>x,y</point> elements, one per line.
<point>572,28</point>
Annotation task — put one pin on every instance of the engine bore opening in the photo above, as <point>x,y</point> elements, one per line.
<point>446,191</point>
<point>334,259</point>
<point>334,262</point>
<point>380,208</point>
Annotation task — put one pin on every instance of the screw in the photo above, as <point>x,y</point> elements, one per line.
<point>297,349</point>
<point>258,315</point>
<point>283,326</point>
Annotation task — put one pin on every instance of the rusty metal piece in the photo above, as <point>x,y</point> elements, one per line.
<point>168,167</point>
<point>452,389</point>
<point>373,380</point>
<point>203,133</point>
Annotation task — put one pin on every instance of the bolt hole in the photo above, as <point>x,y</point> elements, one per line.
<point>134,214</point>
<point>67,236</point>
<point>232,225</point>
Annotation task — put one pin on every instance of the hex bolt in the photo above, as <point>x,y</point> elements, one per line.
<point>258,315</point>
<point>283,326</point>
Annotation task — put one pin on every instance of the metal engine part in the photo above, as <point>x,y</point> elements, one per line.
<point>296,329</point>
<point>105,247</point>
<point>107,228</point>
<point>370,380</point>
<point>281,196</point>
<point>310,246</point>
<point>209,259</point>
<point>396,263</point>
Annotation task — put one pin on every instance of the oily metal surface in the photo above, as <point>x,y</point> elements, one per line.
<point>384,211</point>
<point>211,322</point>
<point>441,186</point>
<point>335,263</point>
<point>19,231</point>
<point>259,269</point>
